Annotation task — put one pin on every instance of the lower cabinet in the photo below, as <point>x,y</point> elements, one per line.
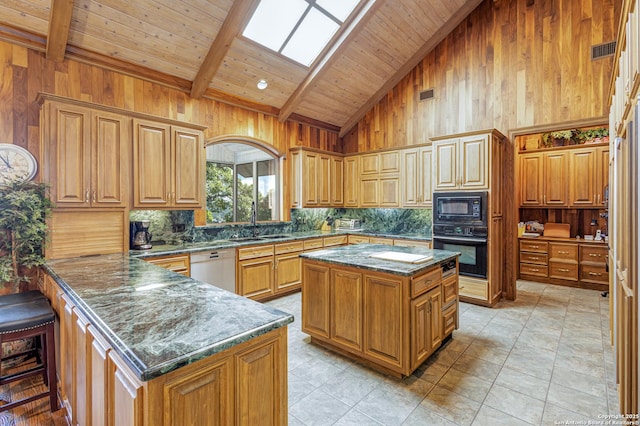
<point>390,321</point>
<point>246,384</point>
<point>180,263</point>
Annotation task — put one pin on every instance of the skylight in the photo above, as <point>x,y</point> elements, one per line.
<point>298,29</point>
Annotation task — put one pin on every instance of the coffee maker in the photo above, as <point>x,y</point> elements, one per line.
<point>140,235</point>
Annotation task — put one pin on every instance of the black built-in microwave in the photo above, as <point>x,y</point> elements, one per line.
<point>468,208</point>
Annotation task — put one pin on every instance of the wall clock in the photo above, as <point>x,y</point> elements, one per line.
<point>16,163</point>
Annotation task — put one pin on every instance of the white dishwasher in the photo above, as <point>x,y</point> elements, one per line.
<point>216,267</point>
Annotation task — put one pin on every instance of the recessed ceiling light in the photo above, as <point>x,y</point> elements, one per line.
<point>262,84</point>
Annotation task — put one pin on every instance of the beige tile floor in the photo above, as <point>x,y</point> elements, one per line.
<point>542,359</point>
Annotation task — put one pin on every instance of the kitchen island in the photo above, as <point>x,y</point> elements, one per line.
<point>389,314</point>
<point>142,345</point>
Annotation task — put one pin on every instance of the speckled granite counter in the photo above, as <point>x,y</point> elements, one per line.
<point>158,320</point>
<point>359,256</point>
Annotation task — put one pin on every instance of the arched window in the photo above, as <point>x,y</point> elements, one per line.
<point>239,175</point>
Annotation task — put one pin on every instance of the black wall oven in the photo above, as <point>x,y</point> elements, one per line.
<point>460,224</point>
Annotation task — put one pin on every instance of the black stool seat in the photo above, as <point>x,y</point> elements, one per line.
<point>24,316</point>
<point>27,296</point>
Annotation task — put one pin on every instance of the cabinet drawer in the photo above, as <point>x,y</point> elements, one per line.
<point>594,274</point>
<point>425,282</point>
<point>179,264</point>
<point>559,251</point>
<point>565,271</point>
<point>536,258</point>
<point>538,270</point>
<point>477,289</point>
<point>313,244</point>
<point>593,254</point>
<point>412,243</point>
<point>289,247</point>
<point>380,240</point>
<point>449,319</point>
<point>449,289</point>
<point>256,251</point>
<point>534,246</point>
<point>335,241</point>
<point>358,239</point>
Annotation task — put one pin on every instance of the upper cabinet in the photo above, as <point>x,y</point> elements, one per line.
<point>565,177</point>
<point>167,165</point>
<point>85,156</point>
<point>380,179</point>
<point>461,163</point>
<point>316,179</point>
<point>417,188</point>
<point>351,180</point>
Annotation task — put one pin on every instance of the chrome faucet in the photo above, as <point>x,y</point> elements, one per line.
<point>253,219</point>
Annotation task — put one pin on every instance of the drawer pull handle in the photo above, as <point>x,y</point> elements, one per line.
<point>597,274</point>
<point>534,246</point>
<point>595,255</point>
<point>535,270</point>
<point>563,270</point>
<point>563,252</point>
<point>534,258</point>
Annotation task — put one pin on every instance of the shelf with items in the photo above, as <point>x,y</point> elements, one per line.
<point>563,138</point>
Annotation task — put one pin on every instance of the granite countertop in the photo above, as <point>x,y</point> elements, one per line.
<point>359,256</point>
<point>165,250</point>
<point>158,320</point>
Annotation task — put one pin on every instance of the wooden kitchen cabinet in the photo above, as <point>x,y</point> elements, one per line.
<point>316,299</point>
<point>255,277</point>
<point>316,179</point>
<point>461,163</point>
<point>426,322</point>
<point>346,320</point>
<point>544,179</point>
<point>380,179</point>
<point>86,159</point>
<point>589,173</point>
<point>417,188</point>
<point>168,166</point>
<point>288,267</point>
<point>351,181</point>
<point>179,263</point>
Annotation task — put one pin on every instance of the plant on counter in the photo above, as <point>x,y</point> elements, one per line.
<point>24,207</point>
<point>592,135</point>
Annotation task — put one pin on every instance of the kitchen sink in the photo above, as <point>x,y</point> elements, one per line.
<point>268,237</point>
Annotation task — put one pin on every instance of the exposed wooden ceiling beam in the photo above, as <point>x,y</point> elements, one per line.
<point>235,21</point>
<point>58,33</point>
<point>435,39</point>
<point>367,10</point>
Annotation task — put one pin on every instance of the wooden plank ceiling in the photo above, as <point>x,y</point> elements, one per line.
<point>196,46</point>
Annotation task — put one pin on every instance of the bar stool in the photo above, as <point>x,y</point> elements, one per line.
<point>22,316</point>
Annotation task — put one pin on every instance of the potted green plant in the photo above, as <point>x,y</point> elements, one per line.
<point>24,207</point>
<point>562,137</point>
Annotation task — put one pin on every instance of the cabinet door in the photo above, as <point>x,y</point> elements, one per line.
<point>127,395</point>
<point>288,271</point>
<point>187,168</point>
<point>69,155</point>
<point>425,177</point>
<point>337,184</point>
<point>351,181</point>
<point>435,318</point>
<point>410,177</point>
<point>100,389</point>
<point>531,180</point>
<point>369,191</point>
<point>445,159</point>
<point>82,346</point>
<point>383,320</point>
<point>583,172</point>
<point>473,162</point>
<point>556,169</point>
<point>261,392</point>
<point>151,164</point>
<point>346,313</point>
<point>389,192</point>
<point>496,258</point>
<point>316,299</point>
<point>310,183</point>
<point>255,277</point>
<point>602,174</point>
<point>212,387</point>
<point>110,160</point>
<point>323,180</point>
<point>295,158</point>
<point>67,357</point>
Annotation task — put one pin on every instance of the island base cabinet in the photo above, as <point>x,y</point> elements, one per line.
<point>426,320</point>
<point>243,385</point>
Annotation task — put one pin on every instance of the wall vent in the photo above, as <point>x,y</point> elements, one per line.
<point>603,50</point>
<point>426,95</point>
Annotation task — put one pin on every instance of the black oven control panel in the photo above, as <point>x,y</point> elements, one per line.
<point>460,231</point>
